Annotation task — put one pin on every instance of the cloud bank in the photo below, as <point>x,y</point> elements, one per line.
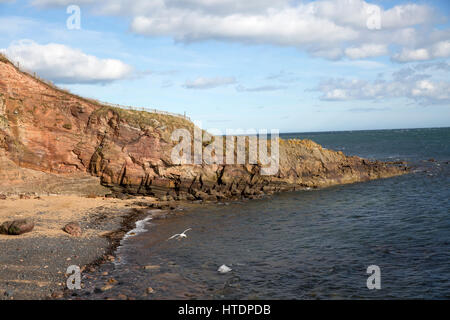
<point>63,64</point>
<point>209,83</point>
<point>353,29</point>
<point>412,83</point>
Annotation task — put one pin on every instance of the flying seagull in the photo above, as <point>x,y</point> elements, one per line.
<point>179,236</point>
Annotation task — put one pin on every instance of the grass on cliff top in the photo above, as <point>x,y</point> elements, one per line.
<point>3,58</point>
<point>141,119</point>
<point>47,83</point>
<point>303,142</point>
<point>135,118</point>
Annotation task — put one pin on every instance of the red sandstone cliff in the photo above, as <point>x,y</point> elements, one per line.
<point>49,136</point>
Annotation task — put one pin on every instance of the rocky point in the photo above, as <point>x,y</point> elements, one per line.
<point>51,139</point>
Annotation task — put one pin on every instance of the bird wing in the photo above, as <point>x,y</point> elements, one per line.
<point>187,230</point>
<point>174,236</point>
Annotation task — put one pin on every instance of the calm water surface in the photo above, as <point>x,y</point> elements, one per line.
<point>310,244</point>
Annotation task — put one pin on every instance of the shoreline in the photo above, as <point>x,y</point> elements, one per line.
<point>90,251</point>
<point>34,264</point>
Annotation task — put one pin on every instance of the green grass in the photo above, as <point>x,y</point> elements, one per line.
<point>142,119</point>
<point>3,58</point>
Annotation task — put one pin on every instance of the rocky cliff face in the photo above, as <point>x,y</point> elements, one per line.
<point>47,133</point>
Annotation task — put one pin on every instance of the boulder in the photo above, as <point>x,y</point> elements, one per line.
<point>16,227</point>
<point>73,228</point>
<point>204,196</point>
<point>4,227</point>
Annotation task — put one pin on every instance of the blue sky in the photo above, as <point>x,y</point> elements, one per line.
<point>295,66</point>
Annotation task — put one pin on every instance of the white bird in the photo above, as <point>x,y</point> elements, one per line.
<point>224,269</point>
<point>180,235</point>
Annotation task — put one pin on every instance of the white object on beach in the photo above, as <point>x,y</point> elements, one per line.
<point>180,235</point>
<point>224,269</point>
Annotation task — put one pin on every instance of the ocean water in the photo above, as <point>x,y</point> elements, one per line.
<point>310,244</point>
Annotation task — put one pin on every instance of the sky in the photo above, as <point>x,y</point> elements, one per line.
<point>291,65</point>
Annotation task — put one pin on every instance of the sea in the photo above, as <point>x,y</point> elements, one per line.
<point>312,244</point>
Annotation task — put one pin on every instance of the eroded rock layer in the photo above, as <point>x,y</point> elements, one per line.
<point>47,132</point>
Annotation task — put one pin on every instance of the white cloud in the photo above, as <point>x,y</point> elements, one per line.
<point>324,28</point>
<point>63,64</point>
<point>362,64</point>
<point>290,27</point>
<point>407,15</point>
<point>412,55</point>
<point>438,50</point>
<point>335,94</point>
<point>266,88</point>
<point>409,83</point>
<point>441,49</point>
<point>327,53</point>
<point>436,66</point>
<point>53,3</point>
<point>145,6</point>
<point>366,50</point>
<point>209,83</point>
